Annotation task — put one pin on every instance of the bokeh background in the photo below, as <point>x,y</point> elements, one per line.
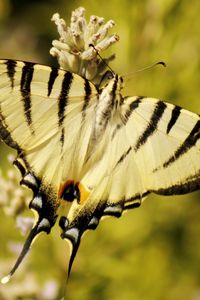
<point>153,252</point>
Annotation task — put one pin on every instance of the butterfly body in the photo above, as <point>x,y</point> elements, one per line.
<point>107,105</point>
<point>100,151</point>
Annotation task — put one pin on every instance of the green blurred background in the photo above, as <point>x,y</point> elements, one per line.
<point>153,252</point>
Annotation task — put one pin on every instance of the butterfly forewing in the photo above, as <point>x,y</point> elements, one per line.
<point>167,154</point>
<point>41,106</point>
<point>148,149</point>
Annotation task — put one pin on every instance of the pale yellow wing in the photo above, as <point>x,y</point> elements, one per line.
<point>148,146</point>
<point>42,113</point>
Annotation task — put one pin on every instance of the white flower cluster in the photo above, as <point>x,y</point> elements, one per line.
<point>74,51</point>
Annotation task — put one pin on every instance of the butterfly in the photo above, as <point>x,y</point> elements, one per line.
<point>94,148</point>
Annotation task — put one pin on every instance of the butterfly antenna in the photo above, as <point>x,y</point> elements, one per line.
<point>25,249</point>
<point>91,45</point>
<point>162,63</point>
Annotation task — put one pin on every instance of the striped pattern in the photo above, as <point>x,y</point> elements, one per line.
<point>188,143</point>
<point>174,117</point>
<point>25,88</point>
<point>88,92</point>
<point>11,64</point>
<point>132,107</point>
<point>62,102</point>
<point>5,134</point>
<point>52,78</point>
<point>153,124</point>
<point>57,83</point>
<point>114,150</point>
<point>63,98</point>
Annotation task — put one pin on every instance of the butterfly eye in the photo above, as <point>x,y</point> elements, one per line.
<point>108,75</point>
<point>71,192</point>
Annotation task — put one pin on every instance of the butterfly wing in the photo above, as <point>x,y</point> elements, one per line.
<point>169,144</point>
<point>153,147</point>
<point>49,116</point>
<point>148,146</point>
<point>42,112</point>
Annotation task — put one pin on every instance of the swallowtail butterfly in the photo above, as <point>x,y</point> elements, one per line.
<point>100,151</point>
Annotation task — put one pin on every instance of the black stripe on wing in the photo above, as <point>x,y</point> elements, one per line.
<point>189,142</point>
<point>135,201</point>
<point>152,125</point>
<point>11,64</point>
<point>190,184</point>
<point>123,156</point>
<point>135,104</point>
<point>174,117</point>
<point>5,135</point>
<point>52,78</point>
<point>63,100</point>
<point>127,114</point>
<point>88,92</point>
<point>20,167</point>
<point>25,88</point>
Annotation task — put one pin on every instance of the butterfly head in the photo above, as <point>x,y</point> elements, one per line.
<point>114,83</point>
<point>108,77</point>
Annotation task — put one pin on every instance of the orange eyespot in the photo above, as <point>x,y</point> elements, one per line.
<point>71,190</point>
<point>63,187</point>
